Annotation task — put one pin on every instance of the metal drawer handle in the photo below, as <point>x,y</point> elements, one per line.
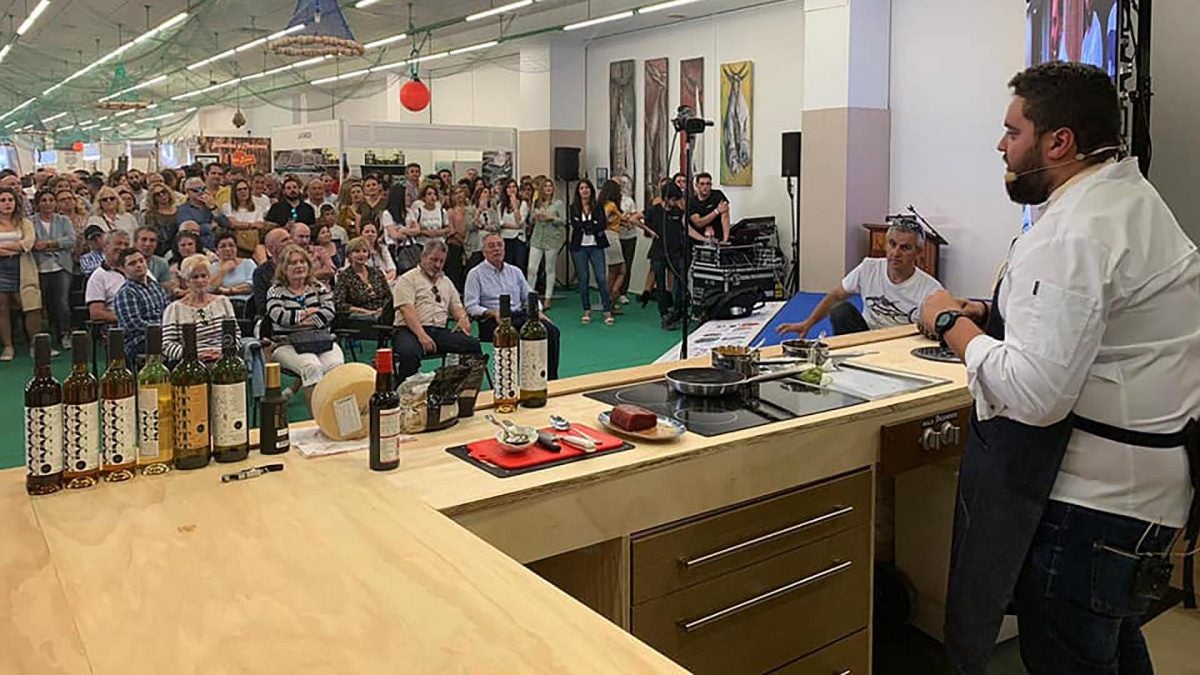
<point>837,512</point>
<point>729,611</point>
<point>845,672</point>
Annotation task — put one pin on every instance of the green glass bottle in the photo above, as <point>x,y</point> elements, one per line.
<point>118,414</point>
<point>230,428</point>
<point>534,344</point>
<point>189,399</point>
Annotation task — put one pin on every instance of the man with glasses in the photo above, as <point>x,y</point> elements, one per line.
<point>425,299</point>
<point>709,210</point>
<point>291,208</point>
<point>201,208</point>
<point>892,289</point>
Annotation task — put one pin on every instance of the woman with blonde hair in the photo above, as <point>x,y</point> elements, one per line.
<point>197,306</point>
<point>549,234</point>
<point>19,284</point>
<point>108,213</point>
<point>362,289</point>
<point>349,197</point>
<point>301,312</point>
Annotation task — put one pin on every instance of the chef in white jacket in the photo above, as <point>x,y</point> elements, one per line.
<point>1085,370</point>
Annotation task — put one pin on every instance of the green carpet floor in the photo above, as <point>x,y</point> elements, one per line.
<point>636,339</point>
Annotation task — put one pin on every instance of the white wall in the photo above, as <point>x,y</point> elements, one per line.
<point>951,62</point>
<point>1175,164</point>
<point>772,37</point>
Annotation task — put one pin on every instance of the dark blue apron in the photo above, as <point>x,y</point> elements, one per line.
<point>1005,478</point>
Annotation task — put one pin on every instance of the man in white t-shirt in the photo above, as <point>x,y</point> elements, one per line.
<point>103,284</point>
<point>892,289</point>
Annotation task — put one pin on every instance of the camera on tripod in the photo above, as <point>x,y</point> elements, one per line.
<point>686,121</point>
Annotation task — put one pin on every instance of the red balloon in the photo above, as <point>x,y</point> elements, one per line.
<point>414,95</point>
<point>78,147</point>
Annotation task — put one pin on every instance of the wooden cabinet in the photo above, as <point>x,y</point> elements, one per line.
<point>927,260</point>
<point>755,587</point>
<point>847,656</point>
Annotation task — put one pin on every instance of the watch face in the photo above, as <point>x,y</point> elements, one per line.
<point>945,320</point>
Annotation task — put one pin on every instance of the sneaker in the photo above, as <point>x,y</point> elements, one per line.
<point>8,354</point>
<point>669,324</point>
<point>54,352</point>
<point>65,343</point>
<point>623,299</point>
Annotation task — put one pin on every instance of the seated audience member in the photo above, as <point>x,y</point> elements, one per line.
<point>425,299</point>
<point>710,210</point>
<point>337,233</point>
<point>291,207</point>
<point>323,245</point>
<point>108,213</point>
<point>297,302</point>
<point>231,275</point>
<point>323,269</point>
<point>140,302</point>
<point>892,289</point>
<point>197,306</point>
<point>362,290</point>
<point>103,284</point>
<point>264,276</point>
<point>90,262</point>
<point>146,241</point>
<point>202,208</point>
<point>490,279</point>
<point>381,257</point>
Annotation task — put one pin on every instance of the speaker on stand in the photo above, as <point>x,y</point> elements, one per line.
<point>566,169</point>
<point>790,169</point>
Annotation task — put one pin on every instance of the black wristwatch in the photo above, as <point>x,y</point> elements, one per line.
<point>945,321</point>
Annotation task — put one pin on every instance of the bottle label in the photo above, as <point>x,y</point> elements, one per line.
<point>148,423</point>
<point>533,365</point>
<point>191,417</point>
<point>505,376</point>
<point>81,437</point>
<point>283,438</point>
<point>229,415</point>
<point>389,435</point>
<point>119,419</point>
<point>44,440</point>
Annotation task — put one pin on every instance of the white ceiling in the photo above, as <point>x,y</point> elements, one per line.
<point>65,38</point>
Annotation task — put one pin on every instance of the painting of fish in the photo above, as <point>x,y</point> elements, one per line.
<point>737,123</point>
<point>656,137</point>
<point>691,94</point>
<point>622,111</point>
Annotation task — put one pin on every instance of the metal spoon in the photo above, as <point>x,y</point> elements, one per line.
<point>510,429</point>
<point>560,423</point>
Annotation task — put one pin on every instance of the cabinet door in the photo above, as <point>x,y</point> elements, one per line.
<point>848,656</point>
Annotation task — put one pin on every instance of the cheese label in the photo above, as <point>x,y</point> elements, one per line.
<point>118,417</point>
<point>229,415</point>
<point>389,435</point>
<point>44,440</point>
<point>81,436</point>
<point>348,416</point>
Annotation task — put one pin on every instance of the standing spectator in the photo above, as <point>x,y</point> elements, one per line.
<point>426,219</point>
<point>231,275</point>
<point>18,271</point>
<point>589,239</point>
<point>52,251</point>
<point>140,302</point>
<point>197,306</point>
<point>609,200</point>
<point>456,239</point>
<point>374,203</point>
<point>314,191</point>
<point>631,221</point>
<point>549,234</point>
<point>129,204</point>
<point>291,208</point>
<point>347,209</point>
<point>329,183</point>
<point>202,209</point>
<point>262,201</point>
<point>214,181</point>
<point>514,214</point>
<point>109,213</point>
<point>163,215</point>
<point>298,303</point>
<point>484,220</point>
<point>403,194</point>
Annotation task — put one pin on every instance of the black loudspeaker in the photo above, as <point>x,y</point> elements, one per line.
<point>566,163</point>
<point>791,154</point>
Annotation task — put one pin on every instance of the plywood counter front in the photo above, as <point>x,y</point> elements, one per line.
<point>328,567</point>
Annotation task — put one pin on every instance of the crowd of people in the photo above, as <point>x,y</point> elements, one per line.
<point>297,260</point>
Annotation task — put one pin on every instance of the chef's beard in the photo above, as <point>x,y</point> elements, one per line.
<point>1032,185</point>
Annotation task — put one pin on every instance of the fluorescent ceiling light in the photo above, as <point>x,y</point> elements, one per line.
<point>147,83</point>
<point>28,22</point>
<point>665,5</point>
<point>499,10</point>
<point>474,48</point>
<point>428,57</point>
<point>604,19</point>
<point>343,76</point>
<point>67,128</point>
<point>385,41</point>
<point>18,108</point>
<point>364,3</point>
<point>55,117</point>
<point>254,76</point>
<point>4,52</point>
<point>10,125</point>
<point>178,18</point>
<point>249,45</point>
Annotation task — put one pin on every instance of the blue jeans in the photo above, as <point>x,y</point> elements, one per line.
<point>1076,605</point>
<point>591,258</point>
<point>56,293</point>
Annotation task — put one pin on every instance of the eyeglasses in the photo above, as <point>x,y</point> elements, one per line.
<point>108,199</point>
<point>437,296</point>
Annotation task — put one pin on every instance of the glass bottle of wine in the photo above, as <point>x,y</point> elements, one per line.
<point>385,416</point>
<point>273,437</point>
<point>155,416</point>
<point>506,376</point>
<point>230,428</point>
<point>118,414</point>
<point>81,418</point>
<point>43,424</point>
<point>189,399</point>
<point>534,343</point>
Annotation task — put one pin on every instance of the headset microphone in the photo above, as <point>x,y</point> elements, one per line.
<point>1012,176</point>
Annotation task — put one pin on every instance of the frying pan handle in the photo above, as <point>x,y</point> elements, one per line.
<point>785,372</point>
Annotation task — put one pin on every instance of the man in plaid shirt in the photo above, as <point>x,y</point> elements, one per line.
<point>139,302</point>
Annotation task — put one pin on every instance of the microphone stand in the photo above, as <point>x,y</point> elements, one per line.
<point>688,147</point>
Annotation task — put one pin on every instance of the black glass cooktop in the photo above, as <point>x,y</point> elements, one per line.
<point>776,401</point>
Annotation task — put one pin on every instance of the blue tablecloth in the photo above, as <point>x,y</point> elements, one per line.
<point>796,310</point>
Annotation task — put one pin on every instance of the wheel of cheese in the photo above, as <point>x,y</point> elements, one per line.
<point>341,401</point>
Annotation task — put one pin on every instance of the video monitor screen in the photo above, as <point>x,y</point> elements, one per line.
<point>1073,30</point>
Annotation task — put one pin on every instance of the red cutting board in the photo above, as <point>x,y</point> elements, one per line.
<point>490,451</point>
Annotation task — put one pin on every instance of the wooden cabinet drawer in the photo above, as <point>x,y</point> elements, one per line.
<point>766,614</point>
<point>848,656</point>
<point>682,555</point>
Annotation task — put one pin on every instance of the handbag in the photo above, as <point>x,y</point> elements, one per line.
<point>247,240</point>
<point>312,341</point>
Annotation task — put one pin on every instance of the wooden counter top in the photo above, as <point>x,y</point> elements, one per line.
<point>330,567</point>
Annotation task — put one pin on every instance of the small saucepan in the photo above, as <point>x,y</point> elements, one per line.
<point>742,360</point>
<point>714,382</point>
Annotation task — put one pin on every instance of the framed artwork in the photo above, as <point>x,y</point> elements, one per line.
<point>737,117</point>
<point>621,114</point>
<point>691,94</point>
<point>657,126</point>
<point>601,176</point>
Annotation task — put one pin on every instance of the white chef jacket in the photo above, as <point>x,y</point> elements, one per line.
<point>1101,301</point>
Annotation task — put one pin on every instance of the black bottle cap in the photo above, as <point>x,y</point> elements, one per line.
<point>80,345</point>
<point>116,344</point>
<point>41,350</point>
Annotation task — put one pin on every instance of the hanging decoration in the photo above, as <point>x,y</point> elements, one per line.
<point>414,95</point>
<point>325,32</point>
<point>120,98</point>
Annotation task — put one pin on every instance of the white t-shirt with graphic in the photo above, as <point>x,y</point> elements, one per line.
<point>885,303</point>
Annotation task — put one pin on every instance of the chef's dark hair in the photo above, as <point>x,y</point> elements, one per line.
<point>1076,96</point>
